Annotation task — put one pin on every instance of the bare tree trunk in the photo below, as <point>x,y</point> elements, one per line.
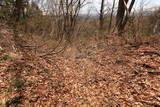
<point>19,9</point>
<point>156,27</point>
<point>101,17</point>
<point>127,15</point>
<point>123,14</point>
<point>112,11</point>
<point>120,15</point>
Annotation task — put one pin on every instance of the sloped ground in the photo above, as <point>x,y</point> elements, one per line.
<point>102,74</point>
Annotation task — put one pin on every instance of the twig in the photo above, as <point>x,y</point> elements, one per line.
<point>150,103</point>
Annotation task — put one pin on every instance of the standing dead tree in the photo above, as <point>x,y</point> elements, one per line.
<point>123,13</point>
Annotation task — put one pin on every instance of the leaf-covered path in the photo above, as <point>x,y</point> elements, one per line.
<point>92,75</point>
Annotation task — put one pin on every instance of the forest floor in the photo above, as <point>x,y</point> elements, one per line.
<point>94,74</point>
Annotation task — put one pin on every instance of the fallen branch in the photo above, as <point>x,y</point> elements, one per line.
<point>154,73</point>
<point>53,52</point>
<point>151,53</point>
<point>148,66</point>
<point>155,104</point>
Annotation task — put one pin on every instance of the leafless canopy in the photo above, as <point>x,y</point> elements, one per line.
<point>65,13</point>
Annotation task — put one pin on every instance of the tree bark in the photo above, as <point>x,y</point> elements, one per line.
<point>101,17</point>
<point>110,22</point>
<point>127,15</point>
<point>120,15</point>
<point>19,9</point>
<point>123,14</point>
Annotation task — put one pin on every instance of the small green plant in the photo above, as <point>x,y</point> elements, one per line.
<point>18,83</point>
<point>46,69</point>
<point>81,42</point>
<point>119,61</point>
<point>95,72</point>
<point>14,101</point>
<point>93,58</point>
<point>7,57</point>
<point>15,83</point>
